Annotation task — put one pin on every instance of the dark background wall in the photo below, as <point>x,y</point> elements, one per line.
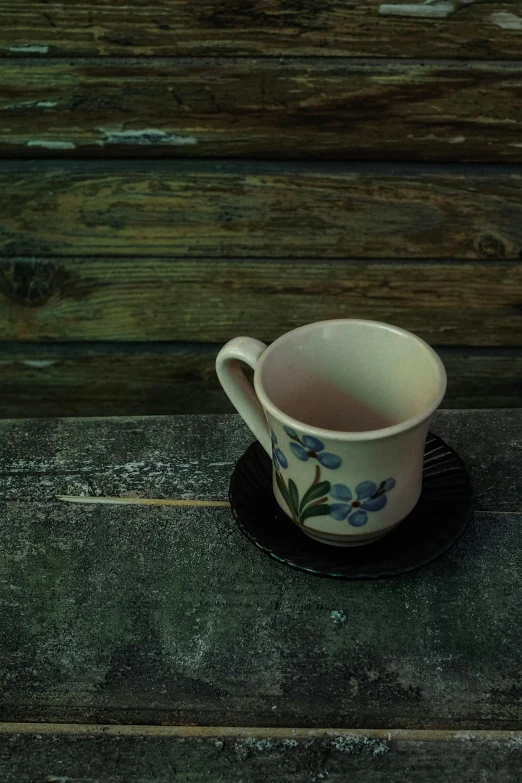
<point>183,171</point>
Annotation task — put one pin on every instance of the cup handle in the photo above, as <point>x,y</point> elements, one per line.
<point>238,389</point>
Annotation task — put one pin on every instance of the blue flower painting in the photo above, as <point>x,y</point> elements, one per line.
<point>308,447</point>
<point>368,498</point>
<point>278,457</point>
<point>323,498</point>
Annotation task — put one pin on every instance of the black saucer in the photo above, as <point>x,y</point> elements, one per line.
<point>437,521</point>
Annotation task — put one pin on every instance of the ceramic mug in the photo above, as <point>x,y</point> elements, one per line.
<point>343,409</point>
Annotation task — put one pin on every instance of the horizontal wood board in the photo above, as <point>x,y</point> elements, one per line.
<point>210,300</point>
<point>113,754</point>
<point>193,456</point>
<point>100,629</point>
<point>489,30</point>
<point>262,108</point>
<point>167,628</point>
<point>129,380</point>
<point>239,209</point>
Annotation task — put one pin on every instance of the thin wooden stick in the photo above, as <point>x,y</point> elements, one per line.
<point>140,501</point>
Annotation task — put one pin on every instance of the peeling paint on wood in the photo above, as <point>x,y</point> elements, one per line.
<point>261,28</point>
<point>429,9</point>
<point>39,364</point>
<point>145,137</point>
<point>432,137</point>
<point>507,21</point>
<point>51,145</point>
<point>27,105</point>
<point>241,107</point>
<point>29,49</point>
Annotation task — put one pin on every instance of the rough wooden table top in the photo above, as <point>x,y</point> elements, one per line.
<point>155,644</point>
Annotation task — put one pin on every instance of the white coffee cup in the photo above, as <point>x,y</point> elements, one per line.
<point>343,408</point>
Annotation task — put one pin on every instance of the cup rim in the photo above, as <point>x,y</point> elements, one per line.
<point>346,435</point>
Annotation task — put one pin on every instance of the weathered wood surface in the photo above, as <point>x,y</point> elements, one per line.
<point>133,380</point>
<point>193,456</point>
<point>161,614</point>
<point>113,754</point>
<point>149,615</point>
<point>231,27</point>
<point>262,108</point>
<point>201,209</point>
<point>210,300</point>
<point>123,380</point>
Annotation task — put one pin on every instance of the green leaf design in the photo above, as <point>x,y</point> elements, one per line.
<point>314,492</point>
<point>315,511</point>
<point>283,490</point>
<point>294,498</point>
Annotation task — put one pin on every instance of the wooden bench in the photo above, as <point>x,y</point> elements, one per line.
<point>155,643</point>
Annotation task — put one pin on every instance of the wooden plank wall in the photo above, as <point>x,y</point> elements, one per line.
<point>173,174</point>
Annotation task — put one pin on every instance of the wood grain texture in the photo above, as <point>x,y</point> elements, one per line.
<point>165,615</point>
<point>135,380</point>
<point>105,630</point>
<point>192,457</point>
<point>222,27</point>
<point>111,754</point>
<point>201,209</point>
<point>262,108</point>
<point>111,380</point>
<point>209,300</point>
